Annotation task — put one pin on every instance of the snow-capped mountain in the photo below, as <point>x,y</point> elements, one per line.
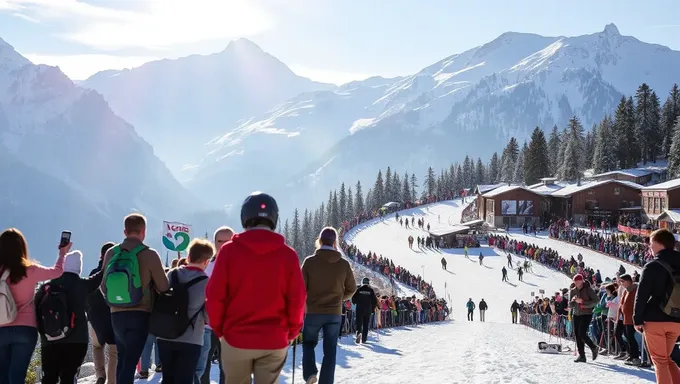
<point>468,103</point>
<point>67,161</point>
<point>179,105</point>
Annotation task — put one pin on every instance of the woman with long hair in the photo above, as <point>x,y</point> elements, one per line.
<point>19,333</point>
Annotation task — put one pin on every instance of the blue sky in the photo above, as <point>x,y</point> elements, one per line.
<point>334,41</point>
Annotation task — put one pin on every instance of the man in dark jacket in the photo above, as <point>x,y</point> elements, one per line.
<point>482,310</point>
<point>329,281</point>
<point>514,308</point>
<point>583,300</point>
<point>101,331</point>
<point>366,302</point>
<point>62,358</point>
<point>654,293</point>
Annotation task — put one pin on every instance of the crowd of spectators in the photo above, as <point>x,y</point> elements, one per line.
<point>612,244</point>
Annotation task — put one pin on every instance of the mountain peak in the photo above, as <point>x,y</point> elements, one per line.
<point>243,45</point>
<point>611,30</point>
<point>9,57</point>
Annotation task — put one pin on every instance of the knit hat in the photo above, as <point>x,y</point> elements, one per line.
<point>578,277</point>
<point>73,262</point>
<point>365,281</point>
<point>328,233</point>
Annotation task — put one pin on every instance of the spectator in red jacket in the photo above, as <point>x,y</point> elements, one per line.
<point>256,296</point>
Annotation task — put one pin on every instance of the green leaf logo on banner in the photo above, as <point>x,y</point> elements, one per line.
<point>184,243</point>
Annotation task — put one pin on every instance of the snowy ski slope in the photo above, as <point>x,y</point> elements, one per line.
<point>465,278</point>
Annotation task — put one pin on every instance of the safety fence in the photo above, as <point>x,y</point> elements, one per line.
<point>554,325</point>
<point>389,319</point>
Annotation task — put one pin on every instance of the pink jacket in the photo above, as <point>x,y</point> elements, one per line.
<point>24,291</point>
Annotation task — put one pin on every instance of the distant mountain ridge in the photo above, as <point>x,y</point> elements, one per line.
<point>179,105</point>
<point>68,162</point>
<point>468,103</point>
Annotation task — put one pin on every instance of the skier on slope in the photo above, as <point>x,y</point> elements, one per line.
<point>466,252</point>
<point>481,258</point>
<point>482,310</point>
<point>505,274</point>
<point>514,308</point>
<point>443,263</point>
<point>520,273</point>
<point>509,261</point>
<point>471,310</point>
<point>410,241</point>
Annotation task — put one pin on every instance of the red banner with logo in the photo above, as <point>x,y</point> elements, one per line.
<point>634,231</point>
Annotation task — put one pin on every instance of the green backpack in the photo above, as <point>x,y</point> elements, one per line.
<point>122,279</point>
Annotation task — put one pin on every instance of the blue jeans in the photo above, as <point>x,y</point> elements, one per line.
<point>17,344</point>
<point>131,329</point>
<point>310,338</point>
<point>203,356</point>
<point>150,344</point>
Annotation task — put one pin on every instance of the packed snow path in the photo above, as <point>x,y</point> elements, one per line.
<point>465,278</point>
<point>456,353</point>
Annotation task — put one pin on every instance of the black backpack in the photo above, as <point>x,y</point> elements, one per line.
<point>54,314</point>
<point>170,315</point>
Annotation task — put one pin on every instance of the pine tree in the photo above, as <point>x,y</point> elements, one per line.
<point>458,181</point>
<point>430,182</point>
<point>604,158</point>
<point>439,190</point>
<point>493,171</point>
<point>564,139</point>
<point>378,196</point>
<point>518,174</point>
<point>480,173</point>
<point>669,114</point>
<point>329,209</point>
<point>396,188</point>
<point>342,204</point>
<point>590,147</point>
<point>316,222</point>
<point>536,161</point>
<point>296,240</point>
<point>467,172</point>
<point>674,157</point>
<point>335,211</point>
<point>647,116</point>
<point>414,185</point>
<point>359,207</point>
<point>307,236</point>
<point>573,163</point>
<point>322,217</point>
<point>350,204</point>
<point>554,145</point>
<point>369,197</point>
<point>387,194</point>
<point>286,232</point>
<point>405,190</point>
<point>624,132</point>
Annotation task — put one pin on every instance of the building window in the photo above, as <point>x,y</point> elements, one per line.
<point>617,191</point>
<point>663,204</point>
<point>656,205</point>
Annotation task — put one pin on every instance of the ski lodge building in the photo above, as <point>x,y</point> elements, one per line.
<point>513,205</point>
<point>661,204</point>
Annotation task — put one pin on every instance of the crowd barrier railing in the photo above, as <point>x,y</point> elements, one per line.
<point>554,325</point>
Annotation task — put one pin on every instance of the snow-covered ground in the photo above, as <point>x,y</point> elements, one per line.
<point>608,266</point>
<point>457,352</point>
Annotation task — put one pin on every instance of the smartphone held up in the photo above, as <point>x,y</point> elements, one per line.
<point>65,239</point>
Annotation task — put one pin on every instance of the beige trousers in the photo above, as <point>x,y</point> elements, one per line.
<point>100,358</point>
<point>263,365</point>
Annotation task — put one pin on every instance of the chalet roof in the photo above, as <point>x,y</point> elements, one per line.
<point>508,188</point>
<point>672,214</point>
<point>665,186</point>
<point>484,188</point>
<point>449,230</point>
<point>632,172</point>
<point>570,189</point>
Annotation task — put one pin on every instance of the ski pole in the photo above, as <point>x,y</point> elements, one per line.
<point>294,348</point>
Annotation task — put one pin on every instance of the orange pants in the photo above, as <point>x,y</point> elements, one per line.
<point>660,339</point>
